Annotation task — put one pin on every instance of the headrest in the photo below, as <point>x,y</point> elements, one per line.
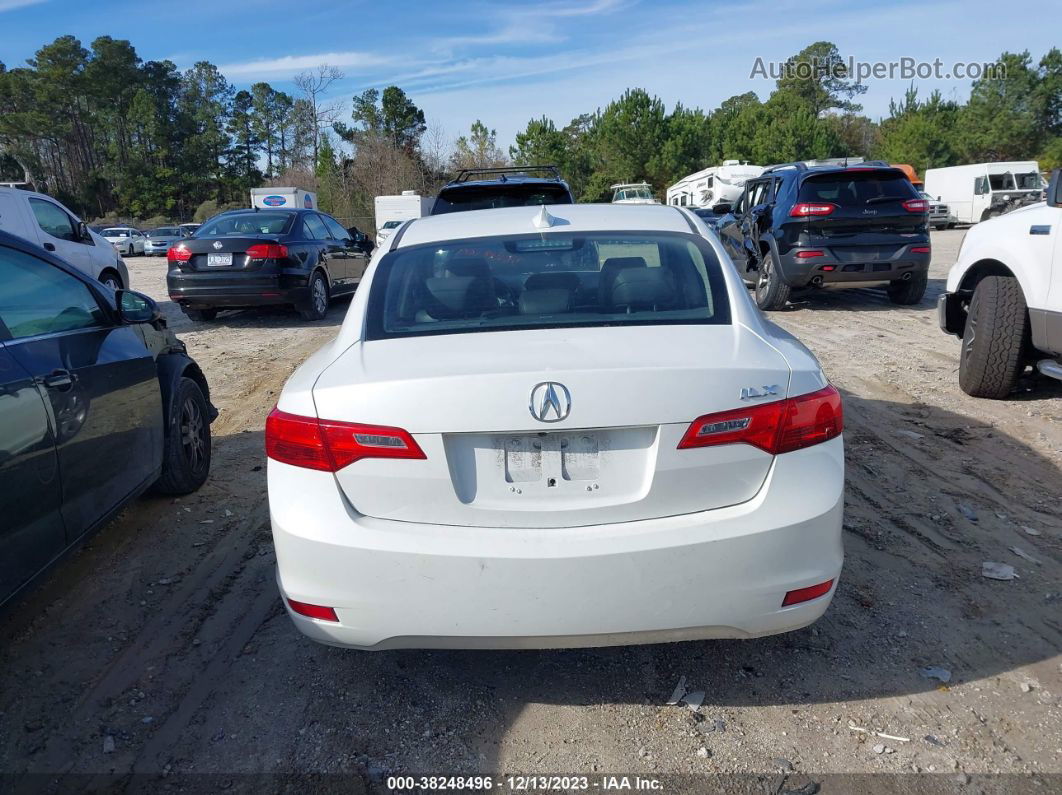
<point>459,296</point>
<point>642,287</point>
<point>468,266</point>
<point>549,301</point>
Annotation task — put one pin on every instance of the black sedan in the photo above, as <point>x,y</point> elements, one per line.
<point>98,402</point>
<point>243,258</point>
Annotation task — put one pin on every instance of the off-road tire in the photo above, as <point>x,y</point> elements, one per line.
<point>201,315</point>
<point>186,455</point>
<point>910,292</point>
<point>770,289</point>
<point>316,306</point>
<point>995,339</point>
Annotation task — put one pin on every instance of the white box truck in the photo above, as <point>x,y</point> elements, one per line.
<point>391,211</point>
<point>288,198</point>
<point>980,191</point>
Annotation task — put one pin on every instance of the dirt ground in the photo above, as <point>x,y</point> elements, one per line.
<point>161,646</point>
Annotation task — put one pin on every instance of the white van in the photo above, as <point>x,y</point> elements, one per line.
<point>980,191</point>
<point>42,220</point>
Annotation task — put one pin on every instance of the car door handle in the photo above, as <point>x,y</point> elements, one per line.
<point>60,380</point>
<point>49,247</point>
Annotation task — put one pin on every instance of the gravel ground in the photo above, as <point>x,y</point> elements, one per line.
<point>161,647</point>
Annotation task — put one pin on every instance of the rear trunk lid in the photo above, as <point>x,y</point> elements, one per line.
<point>223,253</point>
<point>633,393</point>
<point>869,221</point>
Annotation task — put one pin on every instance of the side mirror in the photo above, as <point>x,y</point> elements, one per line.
<point>722,208</point>
<point>1053,194</point>
<point>137,308</point>
<point>83,231</point>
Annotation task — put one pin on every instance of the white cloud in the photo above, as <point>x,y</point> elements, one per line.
<point>11,5</point>
<point>292,64</point>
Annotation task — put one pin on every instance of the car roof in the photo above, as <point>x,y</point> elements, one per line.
<point>521,220</point>
<point>516,179</point>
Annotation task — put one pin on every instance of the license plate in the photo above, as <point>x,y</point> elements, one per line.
<point>219,260</point>
<point>550,457</point>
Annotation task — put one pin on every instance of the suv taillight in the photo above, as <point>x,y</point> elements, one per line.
<point>267,251</point>
<point>178,254</point>
<point>775,428</point>
<point>916,205</point>
<point>330,445</point>
<point>804,209</point>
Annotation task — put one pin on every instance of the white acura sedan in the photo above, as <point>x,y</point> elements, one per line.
<point>551,427</point>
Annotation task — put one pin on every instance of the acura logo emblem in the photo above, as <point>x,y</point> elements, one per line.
<point>217,244</point>
<point>550,402</point>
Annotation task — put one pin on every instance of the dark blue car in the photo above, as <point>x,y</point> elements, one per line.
<point>99,401</point>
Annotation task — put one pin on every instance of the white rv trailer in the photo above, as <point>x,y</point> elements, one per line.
<point>980,191</point>
<point>715,185</point>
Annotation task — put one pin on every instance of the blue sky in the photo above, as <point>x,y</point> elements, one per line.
<point>506,62</point>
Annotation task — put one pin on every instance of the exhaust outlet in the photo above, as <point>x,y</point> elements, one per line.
<point>816,282</point>
<point>907,276</point>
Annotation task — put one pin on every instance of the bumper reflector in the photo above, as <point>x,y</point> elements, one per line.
<point>315,611</point>
<point>807,594</point>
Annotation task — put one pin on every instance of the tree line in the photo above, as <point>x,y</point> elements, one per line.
<point>112,135</point>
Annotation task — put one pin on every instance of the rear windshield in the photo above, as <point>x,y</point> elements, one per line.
<point>857,188</point>
<point>246,224</point>
<point>547,281</point>
<point>491,197</point>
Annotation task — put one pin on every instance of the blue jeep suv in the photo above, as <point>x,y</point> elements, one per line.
<point>799,226</point>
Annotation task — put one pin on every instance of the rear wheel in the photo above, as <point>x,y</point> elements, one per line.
<point>995,339</point>
<point>909,292</point>
<point>201,315</point>
<point>317,304</point>
<point>771,290</point>
<point>186,458</point>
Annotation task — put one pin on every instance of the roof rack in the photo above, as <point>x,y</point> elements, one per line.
<point>468,173</point>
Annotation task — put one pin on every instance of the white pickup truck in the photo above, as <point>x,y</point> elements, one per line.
<point>1004,297</point>
<point>43,221</point>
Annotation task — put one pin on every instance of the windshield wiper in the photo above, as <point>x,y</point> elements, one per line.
<point>880,199</point>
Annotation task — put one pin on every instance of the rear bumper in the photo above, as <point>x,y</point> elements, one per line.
<point>230,289</point>
<point>800,272</point>
<point>714,574</point>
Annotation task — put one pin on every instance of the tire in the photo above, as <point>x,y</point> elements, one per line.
<point>995,339</point>
<point>318,301</point>
<point>951,226</point>
<point>186,456</point>
<point>111,279</point>
<point>910,292</point>
<point>940,227</point>
<point>201,315</point>
<point>770,290</point>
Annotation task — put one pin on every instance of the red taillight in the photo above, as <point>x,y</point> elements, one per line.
<point>267,251</point>
<point>314,611</point>
<point>804,209</point>
<point>809,254</point>
<point>827,267</point>
<point>330,445</point>
<point>807,594</point>
<point>921,250</point>
<point>178,254</point>
<point>916,205</point>
<point>775,428</point>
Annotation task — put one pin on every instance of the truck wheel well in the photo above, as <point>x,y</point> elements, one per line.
<point>979,270</point>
